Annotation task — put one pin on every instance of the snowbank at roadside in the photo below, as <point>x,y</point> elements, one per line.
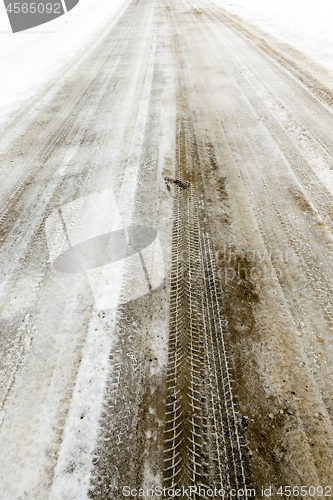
<point>30,59</point>
<point>306,25</point>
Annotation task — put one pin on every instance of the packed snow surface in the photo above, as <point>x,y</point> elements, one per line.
<point>304,24</point>
<point>68,362</point>
<point>31,58</point>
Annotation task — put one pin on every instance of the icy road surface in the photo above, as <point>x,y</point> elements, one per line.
<point>166,265</point>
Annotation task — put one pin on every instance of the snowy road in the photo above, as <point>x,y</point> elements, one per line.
<point>205,355</point>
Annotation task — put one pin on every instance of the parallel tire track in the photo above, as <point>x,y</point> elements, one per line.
<point>203,441</point>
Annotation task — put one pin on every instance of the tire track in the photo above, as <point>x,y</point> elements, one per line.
<point>66,120</point>
<point>303,236</point>
<point>290,59</point>
<point>203,440</point>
